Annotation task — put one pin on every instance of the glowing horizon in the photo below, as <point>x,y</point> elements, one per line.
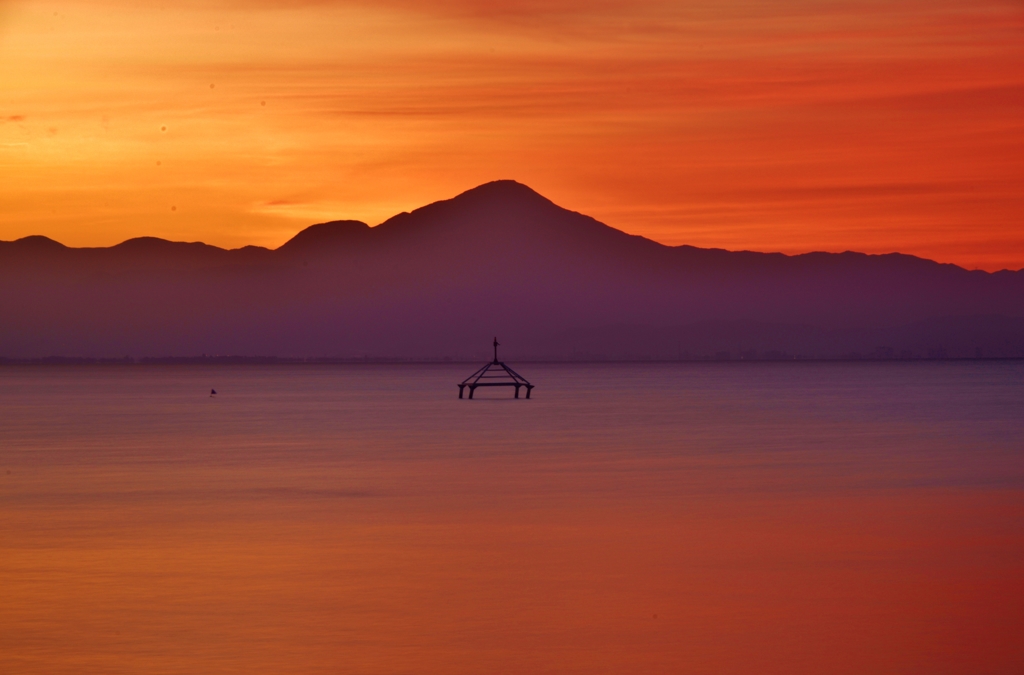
<point>792,126</point>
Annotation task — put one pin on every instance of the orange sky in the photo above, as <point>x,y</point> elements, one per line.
<point>793,125</point>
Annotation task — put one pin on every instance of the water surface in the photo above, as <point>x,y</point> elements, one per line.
<point>699,518</point>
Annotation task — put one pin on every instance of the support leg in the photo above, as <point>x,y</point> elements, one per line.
<point>517,391</point>
<point>529,388</point>
<point>472,388</point>
<point>461,387</point>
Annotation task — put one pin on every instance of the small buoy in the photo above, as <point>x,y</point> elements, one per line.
<point>213,392</point>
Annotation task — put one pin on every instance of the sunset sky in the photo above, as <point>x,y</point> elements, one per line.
<point>788,125</point>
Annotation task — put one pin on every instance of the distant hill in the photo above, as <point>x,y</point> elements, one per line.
<point>501,260</point>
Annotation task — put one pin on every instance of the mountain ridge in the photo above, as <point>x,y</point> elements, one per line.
<point>499,258</point>
<point>500,193</point>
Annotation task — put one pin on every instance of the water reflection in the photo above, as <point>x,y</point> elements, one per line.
<point>719,518</point>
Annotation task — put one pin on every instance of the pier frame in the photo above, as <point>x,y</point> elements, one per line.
<point>495,370</point>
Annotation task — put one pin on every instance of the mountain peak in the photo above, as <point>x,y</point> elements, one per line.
<point>39,243</point>
<point>504,212</point>
<point>501,193</point>
<point>326,236</point>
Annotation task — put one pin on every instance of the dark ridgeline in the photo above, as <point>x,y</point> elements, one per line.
<point>436,282</point>
<point>495,374</point>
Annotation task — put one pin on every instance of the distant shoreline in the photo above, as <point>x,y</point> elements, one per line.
<point>369,360</point>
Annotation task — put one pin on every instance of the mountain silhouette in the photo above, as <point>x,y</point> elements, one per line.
<point>498,259</point>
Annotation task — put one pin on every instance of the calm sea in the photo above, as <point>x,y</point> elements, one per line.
<point>683,518</point>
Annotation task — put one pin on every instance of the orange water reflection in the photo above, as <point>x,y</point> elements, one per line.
<point>505,564</point>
